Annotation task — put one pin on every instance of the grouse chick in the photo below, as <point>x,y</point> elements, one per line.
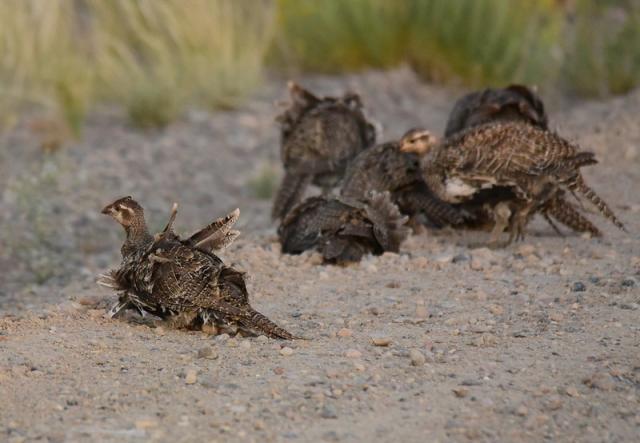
<point>530,166</point>
<point>170,277</point>
<point>395,167</point>
<point>343,231</point>
<point>319,135</point>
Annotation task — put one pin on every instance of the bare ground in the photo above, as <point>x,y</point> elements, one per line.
<point>540,341</point>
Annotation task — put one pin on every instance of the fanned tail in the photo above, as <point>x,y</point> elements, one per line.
<point>389,225</point>
<point>108,280</point>
<point>580,186</point>
<point>289,194</point>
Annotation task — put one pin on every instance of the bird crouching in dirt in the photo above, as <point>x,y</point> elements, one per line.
<point>395,167</point>
<point>513,103</point>
<point>182,280</point>
<point>319,136</point>
<point>344,231</point>
<point>530,166</point>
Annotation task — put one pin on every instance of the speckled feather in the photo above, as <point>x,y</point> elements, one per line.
<point>169,277</point>
<point>535,163</point>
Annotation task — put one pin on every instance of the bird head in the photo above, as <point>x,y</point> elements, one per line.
<point>125,211</point>
<point>352,100</point>
<point>417,140</point>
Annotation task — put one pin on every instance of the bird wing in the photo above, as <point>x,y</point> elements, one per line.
<point>218,234</point>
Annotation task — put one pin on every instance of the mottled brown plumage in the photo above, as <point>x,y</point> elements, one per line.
<point>319,137</point>
<point>533,164</point>
<point>170,277</point>
<point>395,167</point>
<point>513,103</point>
<point>343,231</point>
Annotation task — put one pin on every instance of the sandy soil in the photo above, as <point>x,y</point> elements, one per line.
<point>540,341</point>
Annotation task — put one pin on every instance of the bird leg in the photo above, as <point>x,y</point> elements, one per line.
<point>501,214</point>
<point>553,224</point>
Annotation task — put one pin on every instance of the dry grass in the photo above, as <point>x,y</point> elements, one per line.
<point>337,35</point>
<point>153,57</point>
<point>485,41</point>
<point>604,48</point>
<point>43,60</point>
<point>156,57</point>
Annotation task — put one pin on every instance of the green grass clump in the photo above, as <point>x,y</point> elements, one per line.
<point>154,57</point>
<point>484,42</point>
<point>339,35</point>
<point>475,42</point>
<point>43,60</point>
<point>603,54</point>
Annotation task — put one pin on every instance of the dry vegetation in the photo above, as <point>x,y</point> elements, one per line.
<point>155,58</point>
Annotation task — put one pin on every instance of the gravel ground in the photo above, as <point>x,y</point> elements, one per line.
<point>443,342</point>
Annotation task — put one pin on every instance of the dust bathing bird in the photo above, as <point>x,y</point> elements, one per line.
<point>319,135</point>
<point>182,279</point>
<point>344,231</point>
<point>523,169</point>
<point>395,167</point>
<point>515,103</point>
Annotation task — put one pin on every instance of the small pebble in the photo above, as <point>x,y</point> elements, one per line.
<point>572,391</point>
<point>352,353</point>
<point>146,423</point>
<point>328,411</point>
<point>461,391</point>
<point>422,312</point>
<point>600,380</point>
<point>628,283</point>
<point>522,411</point>
<point>417,358</point>
<point>207,352</point>
<point>345,332</point>
<point>578,287</point>
<point>191,377</point>
<point>381,340</point>
<point>286,351</point>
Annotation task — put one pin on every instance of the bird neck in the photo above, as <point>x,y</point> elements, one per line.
<point>138,236</point>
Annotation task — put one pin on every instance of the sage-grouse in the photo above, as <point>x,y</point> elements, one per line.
<point>343,231</point>
<point>513,103</point>
<point>522,168</point>
<point>319,135</point>
<point>395,167</point>
<point>181,279</point>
